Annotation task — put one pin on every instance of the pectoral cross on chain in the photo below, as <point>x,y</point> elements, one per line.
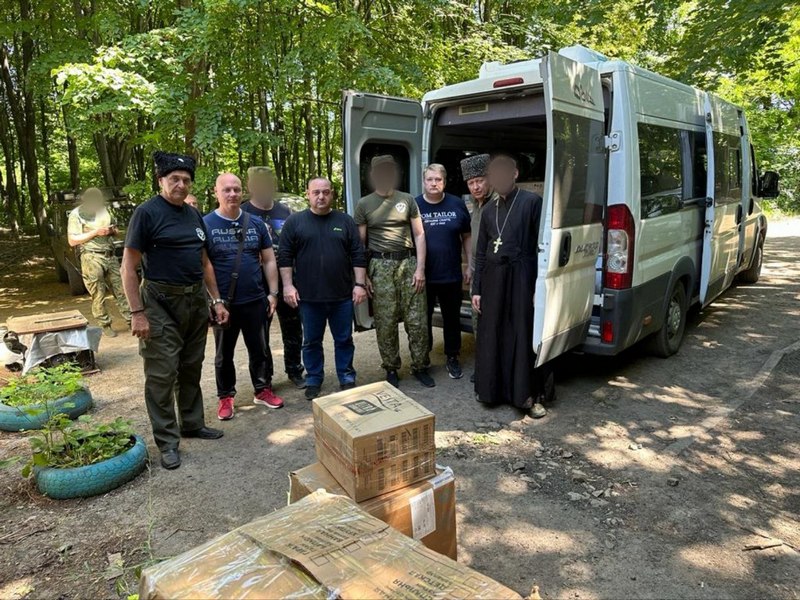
<point>497,243</point>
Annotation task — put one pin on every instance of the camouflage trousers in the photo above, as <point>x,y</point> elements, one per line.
<point>394,299</point>
<point>101,272</point>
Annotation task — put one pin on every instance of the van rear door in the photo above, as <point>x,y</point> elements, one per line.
<point>724,210</point>
<point>373,125</point>
<point>574,186</point>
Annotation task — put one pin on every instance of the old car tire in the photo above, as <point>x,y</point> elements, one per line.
<point>34,416</point>
<point>753,274</point>
<point>91,480</point>
<point>61,272</point>
<point>76,286</point>
<point>667,340</point>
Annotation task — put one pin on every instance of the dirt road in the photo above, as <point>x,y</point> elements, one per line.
<point>648,479</point>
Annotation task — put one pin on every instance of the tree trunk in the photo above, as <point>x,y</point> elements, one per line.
<point>72,155</point>
<point>10,194</point>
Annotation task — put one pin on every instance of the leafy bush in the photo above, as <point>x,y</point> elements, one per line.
<point>42,385</point>
<point>65,444</point>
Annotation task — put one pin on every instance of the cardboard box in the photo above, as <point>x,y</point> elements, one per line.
<point>322,546</point>
<point>374,439</point>
<point>425,510</point>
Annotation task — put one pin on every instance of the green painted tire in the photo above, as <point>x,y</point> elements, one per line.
<point>92,480</point>
<point>34,416</point>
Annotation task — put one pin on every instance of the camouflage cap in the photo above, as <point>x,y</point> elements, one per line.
<point>475,166</point>
<point>93,194</point>
<point>383,159</point>
<point>259,173</point>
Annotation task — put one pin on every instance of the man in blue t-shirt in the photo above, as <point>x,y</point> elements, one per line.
<point>447,236</point>
<point>262,203</point>
<point>240,276</point>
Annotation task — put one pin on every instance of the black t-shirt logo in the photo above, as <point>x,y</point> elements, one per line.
<point>363,407</point>
<point>201,234</point>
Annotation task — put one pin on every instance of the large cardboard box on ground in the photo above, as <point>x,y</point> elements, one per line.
<point>374,439</point>
<point>425,510</point>
<point>323,546</point>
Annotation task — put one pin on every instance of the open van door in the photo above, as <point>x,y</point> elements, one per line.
<point>575,184</point>
<point>724,206</point>
<point>374,125</point>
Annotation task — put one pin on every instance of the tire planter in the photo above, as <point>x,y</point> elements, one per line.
<point>20,418</point>
<point>102,477</point>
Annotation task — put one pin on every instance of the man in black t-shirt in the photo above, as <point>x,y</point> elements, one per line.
<point>324,270</point>
<point>169,311</point>
<point>262,203</point>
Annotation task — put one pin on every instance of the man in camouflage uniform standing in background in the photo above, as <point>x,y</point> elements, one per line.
<point>391,229</point>
<point>90,228</point>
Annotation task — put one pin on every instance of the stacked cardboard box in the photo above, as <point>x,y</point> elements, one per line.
<point>374,439</point>
<point>323,546</point>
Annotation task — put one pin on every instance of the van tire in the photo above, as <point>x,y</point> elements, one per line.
<point>61,272</point>
<point>667,340</point>
<point>76,287</point>
<point>752,274</point>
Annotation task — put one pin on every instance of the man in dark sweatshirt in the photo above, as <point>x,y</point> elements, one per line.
<point>323,266</point>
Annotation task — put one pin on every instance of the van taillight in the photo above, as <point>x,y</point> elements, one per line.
<point>607,332</point>
<point>620,233</point>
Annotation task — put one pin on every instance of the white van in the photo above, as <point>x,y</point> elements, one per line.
<point>650,187</point>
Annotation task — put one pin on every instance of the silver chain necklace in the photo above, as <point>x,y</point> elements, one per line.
<point>499,241</point>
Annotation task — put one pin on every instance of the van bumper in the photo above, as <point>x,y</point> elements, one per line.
<point>634,314</point>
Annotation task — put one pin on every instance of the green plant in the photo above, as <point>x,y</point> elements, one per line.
<point>42,385</point>
<point>63,443</point>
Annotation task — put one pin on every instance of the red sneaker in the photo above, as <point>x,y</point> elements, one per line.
<point>225,410</point>
<point>267,397</point>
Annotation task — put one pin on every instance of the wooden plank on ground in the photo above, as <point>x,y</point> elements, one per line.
<point>70,319</point>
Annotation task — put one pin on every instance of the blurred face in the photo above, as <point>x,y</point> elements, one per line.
<point>261,187</point>
<point>503,175</point>
<point>228,191</point>
<point>385,177</point>
<point>191,200</point>
<point>479,188</point>
<point>320,196</point>
<point>433,183</point>
<point>92,202</point>
<point>176,186</point>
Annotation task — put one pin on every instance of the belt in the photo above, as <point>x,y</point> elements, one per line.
<point>103,252</point>
<point>398,255</point>
<point>176,289</point>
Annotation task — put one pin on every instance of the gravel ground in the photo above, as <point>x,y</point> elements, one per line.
<point>649,478</point>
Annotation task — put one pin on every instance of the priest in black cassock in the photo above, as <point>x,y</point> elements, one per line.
<point>502,292</point>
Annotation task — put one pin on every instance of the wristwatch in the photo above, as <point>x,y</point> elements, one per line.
<point>216,301</point>
<point>274,294</point>
<point>361,285</point>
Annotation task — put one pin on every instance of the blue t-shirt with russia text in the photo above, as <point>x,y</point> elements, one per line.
<point>223,241</point>
<point>445,223</point>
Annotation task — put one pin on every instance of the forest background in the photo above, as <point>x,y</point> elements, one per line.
<point>89,88</point>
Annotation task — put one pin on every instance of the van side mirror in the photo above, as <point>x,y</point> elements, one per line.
<point>768,185</point>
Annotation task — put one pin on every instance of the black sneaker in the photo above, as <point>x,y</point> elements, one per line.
<point>453,368</point>
<point>425,379</point>
<point>298,379</point>
<point>393,378</point>
<point>347,386</point>
<point>312,391</point>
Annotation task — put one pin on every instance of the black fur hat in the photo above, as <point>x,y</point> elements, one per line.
<point>167,162</point>
<point>474,166</point>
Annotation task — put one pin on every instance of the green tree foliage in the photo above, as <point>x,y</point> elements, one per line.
<point>88,89</point>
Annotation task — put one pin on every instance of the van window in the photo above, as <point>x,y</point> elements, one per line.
<point>727,169</point>
<point>660,170</point>
<point>697,165</point>
<point>400,154</point>
<point>579,160</point>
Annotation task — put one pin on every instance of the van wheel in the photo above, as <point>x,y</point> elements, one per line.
<point>61,272</point>
<point>752,274</point>
<point>76,287</point>
<point>666,341</point>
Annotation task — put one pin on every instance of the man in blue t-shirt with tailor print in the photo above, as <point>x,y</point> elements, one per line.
<point>262,203</point>
<point>241,283</point>
<point>447,237</point>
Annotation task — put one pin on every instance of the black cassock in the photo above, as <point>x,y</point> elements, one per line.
<point>506,282</point>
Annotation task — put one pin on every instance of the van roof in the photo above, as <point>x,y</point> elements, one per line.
<point>495,77</point>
